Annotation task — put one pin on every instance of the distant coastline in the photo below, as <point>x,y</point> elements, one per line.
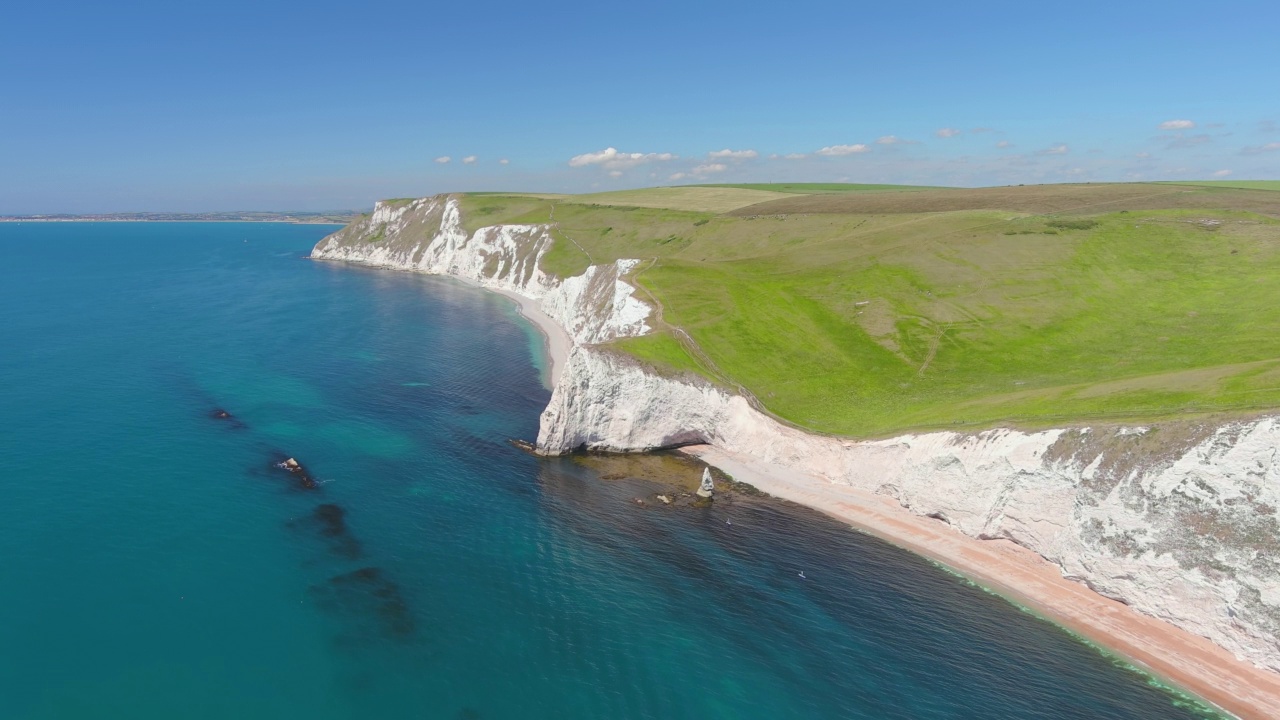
<point>336,217</point>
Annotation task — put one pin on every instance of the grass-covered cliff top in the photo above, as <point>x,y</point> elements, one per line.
<point>866,310</point>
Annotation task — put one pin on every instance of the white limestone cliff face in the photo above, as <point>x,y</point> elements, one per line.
<point>427,236</point>
<point>1178,520</point>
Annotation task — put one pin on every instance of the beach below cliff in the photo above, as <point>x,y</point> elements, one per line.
<point>1018,574</point>
<point>557,341</point>
<point>1023,577</point>
<point>1085,514</point>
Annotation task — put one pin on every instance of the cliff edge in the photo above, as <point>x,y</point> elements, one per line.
<point>1177,520</point>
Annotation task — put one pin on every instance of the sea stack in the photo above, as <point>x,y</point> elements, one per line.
<point>707,488</point>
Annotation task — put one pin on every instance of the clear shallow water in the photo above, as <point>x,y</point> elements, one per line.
<point>154,565</point>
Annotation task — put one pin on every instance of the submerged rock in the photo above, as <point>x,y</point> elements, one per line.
<point>224,415</point>
<point>371,600</point>
<point>331,523</point>
<point>524,445</point>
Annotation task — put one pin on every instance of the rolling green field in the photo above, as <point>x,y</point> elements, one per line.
<point>1243,184</point>
<point>692,197</point>
<point>822,188</point>
<point>867,313</point>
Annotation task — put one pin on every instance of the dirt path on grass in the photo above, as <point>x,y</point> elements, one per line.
<point>551,219</point>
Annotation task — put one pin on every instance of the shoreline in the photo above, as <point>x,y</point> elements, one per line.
<point>1190,663</point>
<point>1183,661</point>
<point>556,340</point>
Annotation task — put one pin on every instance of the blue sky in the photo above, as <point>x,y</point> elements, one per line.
<point>324,105</point>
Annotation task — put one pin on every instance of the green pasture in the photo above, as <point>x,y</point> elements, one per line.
<point>1240,184</point>
<point>871,324</point>
<point>819,188</point>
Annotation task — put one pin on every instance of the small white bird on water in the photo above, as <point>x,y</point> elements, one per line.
<point>802,577</point>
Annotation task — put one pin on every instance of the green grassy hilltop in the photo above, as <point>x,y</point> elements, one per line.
<point>866,310</point>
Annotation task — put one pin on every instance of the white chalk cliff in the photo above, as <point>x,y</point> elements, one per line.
<point>427,236</point>
<point>1178,520</point>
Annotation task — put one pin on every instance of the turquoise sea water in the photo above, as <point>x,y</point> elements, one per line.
<point>153,563</point>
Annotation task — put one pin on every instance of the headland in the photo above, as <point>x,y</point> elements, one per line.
<point>1109,502</point>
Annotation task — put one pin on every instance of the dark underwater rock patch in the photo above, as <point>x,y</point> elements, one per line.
<point>370,601</point>
<point>370,605</point>
<point>333,526</point>
<point>329,522</point>
<point>231,421</point>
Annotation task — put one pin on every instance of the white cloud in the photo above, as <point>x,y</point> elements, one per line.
<point>895,140</point>
<point>469,160</point>
<point>1259,149</point>
<point>842,150</point>
<point>947,132</point>
<point>504,161</point>
<point>1222,173</point>
<point>794,156</point>
<point>596,158</point>
<point>1185,141</point>
<point>678,176</point>
<point>1177,125</point>
<point>1142,155</point>
<point>1004,144</point>
<point>443,159</point>
<point>611,159</point>
<point>1059,149</point>
<point>727,154</point>
<point>710,168</point>
<point>615,173</point>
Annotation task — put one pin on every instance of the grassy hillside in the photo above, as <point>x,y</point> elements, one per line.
<point>866,313</point>
<point>822,188</point>
<point>1273,185</point>
<point>1082,199</point>
<point>703,199</point>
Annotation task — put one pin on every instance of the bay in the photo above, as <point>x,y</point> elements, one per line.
<point>154,563</point>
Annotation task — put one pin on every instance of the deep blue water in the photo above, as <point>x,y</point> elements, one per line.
<point>153,564</point>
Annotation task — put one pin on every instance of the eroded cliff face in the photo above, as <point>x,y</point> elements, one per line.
<point>1177,520</point>
<point>427,236</point>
